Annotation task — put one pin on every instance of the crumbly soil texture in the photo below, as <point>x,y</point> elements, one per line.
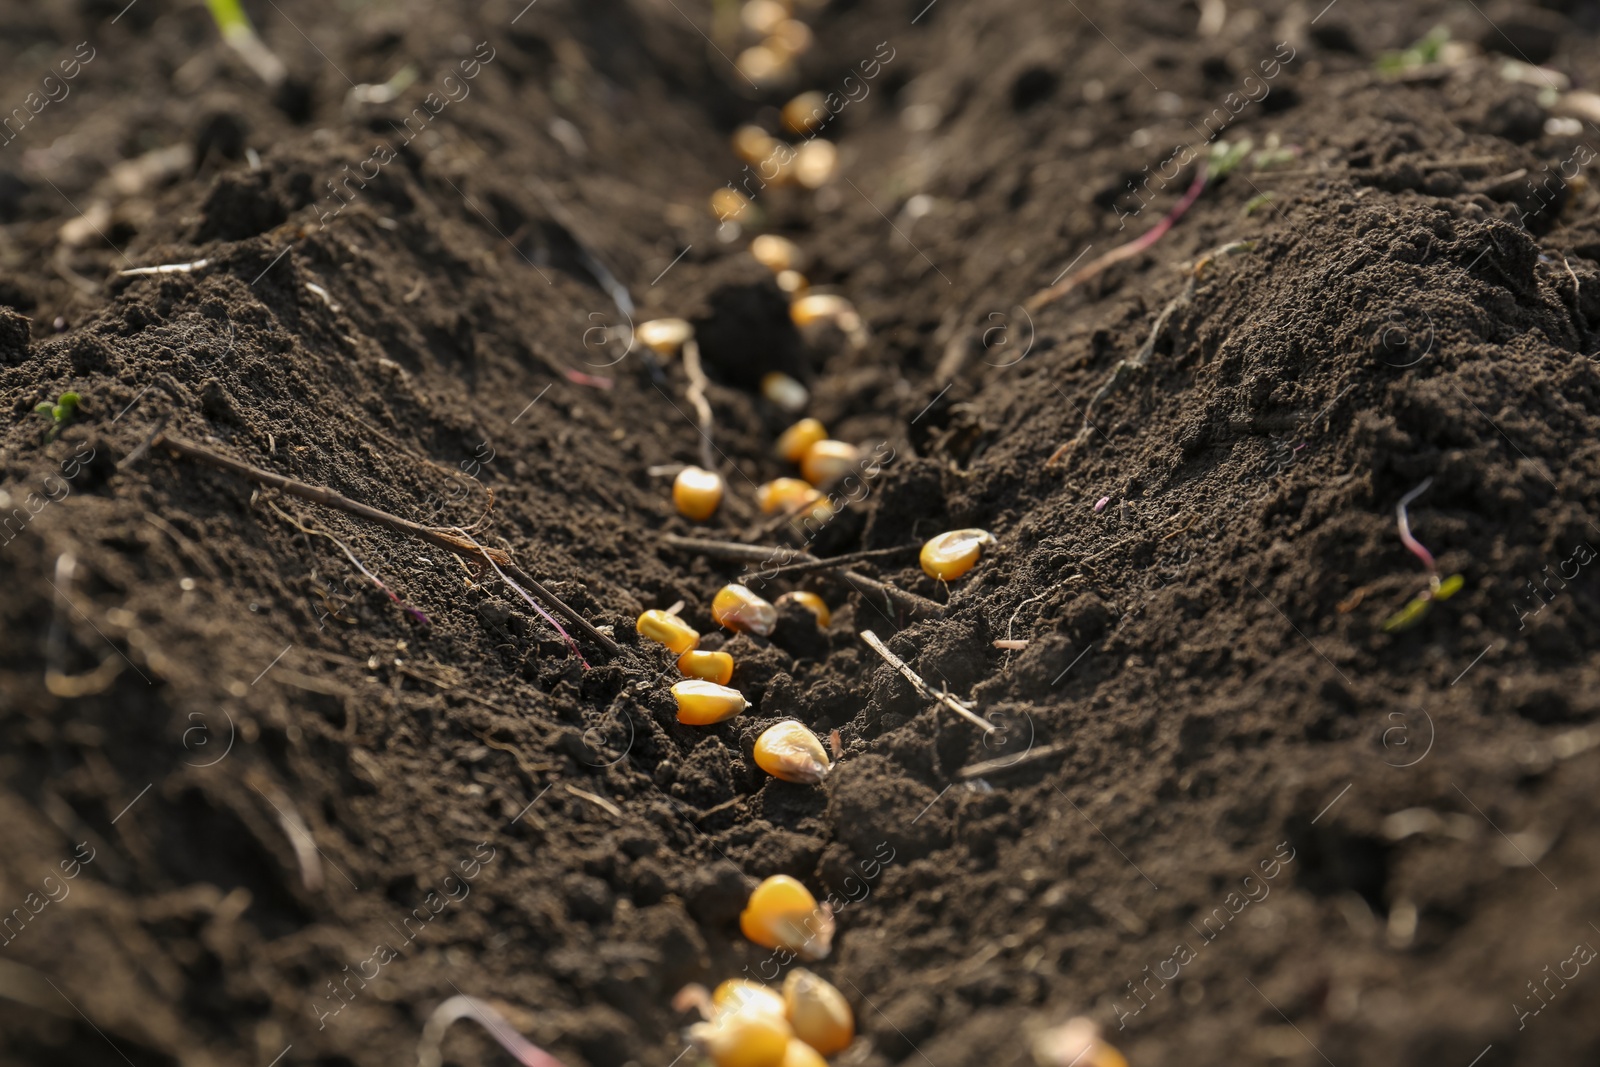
<point>256,811</point>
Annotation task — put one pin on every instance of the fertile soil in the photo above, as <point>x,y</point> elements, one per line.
<point>1254,824</point>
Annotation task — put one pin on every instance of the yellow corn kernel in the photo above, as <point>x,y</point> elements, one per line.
<point>812,603</point>
<point>815,310</point>
<point>766,64</point>
<point>784,494</point>
<point>791,752</point>
<point>775,253</point>
<point>741,994</point>
<point>782,913</point>
<point>696,492</point>
<point>728,205</point>
<point>827,461</point>
<point>737,608</point>
<point>954,553</point>
<point>819,307</point>
<point>800,1054</point>
<point>664,336</point>
<point>669,630</point>
<point>1075,1043</point>
<point>815,163</point>
<point>707,666</point>
<point>820,1015</point>
<point>753,145</point>
<point>795,498</point>
<point>761,17</point>
<point>743,1038</point>
<point>796,441</point>
<point>790,37</point>
<point>784,391</point>
<point>793,282</point>
<point>805,112</point>
<point>702,703</point>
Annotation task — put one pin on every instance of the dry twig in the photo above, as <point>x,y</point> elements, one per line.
<point>696,395</point>
<point>978,770</point>
<point>955,705</point>
<point>915,606</point>
<point>328,498</point>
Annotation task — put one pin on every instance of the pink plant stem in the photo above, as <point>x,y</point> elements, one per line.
<point>464,1007</point>
<point>1124,251</point>
<point>1410,542</point>
<point>407,608</point>
<point>532,603</point>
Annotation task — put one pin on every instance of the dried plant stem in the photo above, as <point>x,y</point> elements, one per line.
<point>922,687</point>
<point>696,395</point>
<point>734,550</point>
<point>994,766</point>
<point>328,498</point>
<point>845,560</point>
<point>164,268</point>
<point>916,606</point>
<point>1127,368</point>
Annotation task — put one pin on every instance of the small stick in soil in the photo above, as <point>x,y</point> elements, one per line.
<point>919,607</point>
<point>734,550</point>
<point>56,680</point>
<point>978,770</point>
<point>598,801</point>
<point>922,687</point>
<point>1127,368</point>
<point>828,563</point>
<point>165,268</point>
<point>328,498</point>
<point>480,1012</point>
<point>696,395</point>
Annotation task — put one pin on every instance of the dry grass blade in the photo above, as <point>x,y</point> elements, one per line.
<point>922,687</point>
<point>915,606</point>
<point>327,497</point>
<point>1005,763</point>
<point>696,395</point>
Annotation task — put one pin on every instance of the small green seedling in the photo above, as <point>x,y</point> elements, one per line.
<point>1257,202</point>
<point>241,36</point>
<point>61,413</point>
<point>1438,589</point>
<point>1421,54</point>
<point>1226,157</point>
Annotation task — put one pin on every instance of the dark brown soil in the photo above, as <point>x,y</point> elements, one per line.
<point>1265,830</point>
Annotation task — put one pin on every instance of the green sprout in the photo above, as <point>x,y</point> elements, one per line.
<point>61,413</point>
<point>1438,589</point>
<point>240,35</point>
<point>1226,157</point>
<point>1420,54</point>
<point>1257,202</point>
<point>230,18</point>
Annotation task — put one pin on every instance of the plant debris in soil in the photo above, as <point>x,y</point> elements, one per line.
<point>260,806</point>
